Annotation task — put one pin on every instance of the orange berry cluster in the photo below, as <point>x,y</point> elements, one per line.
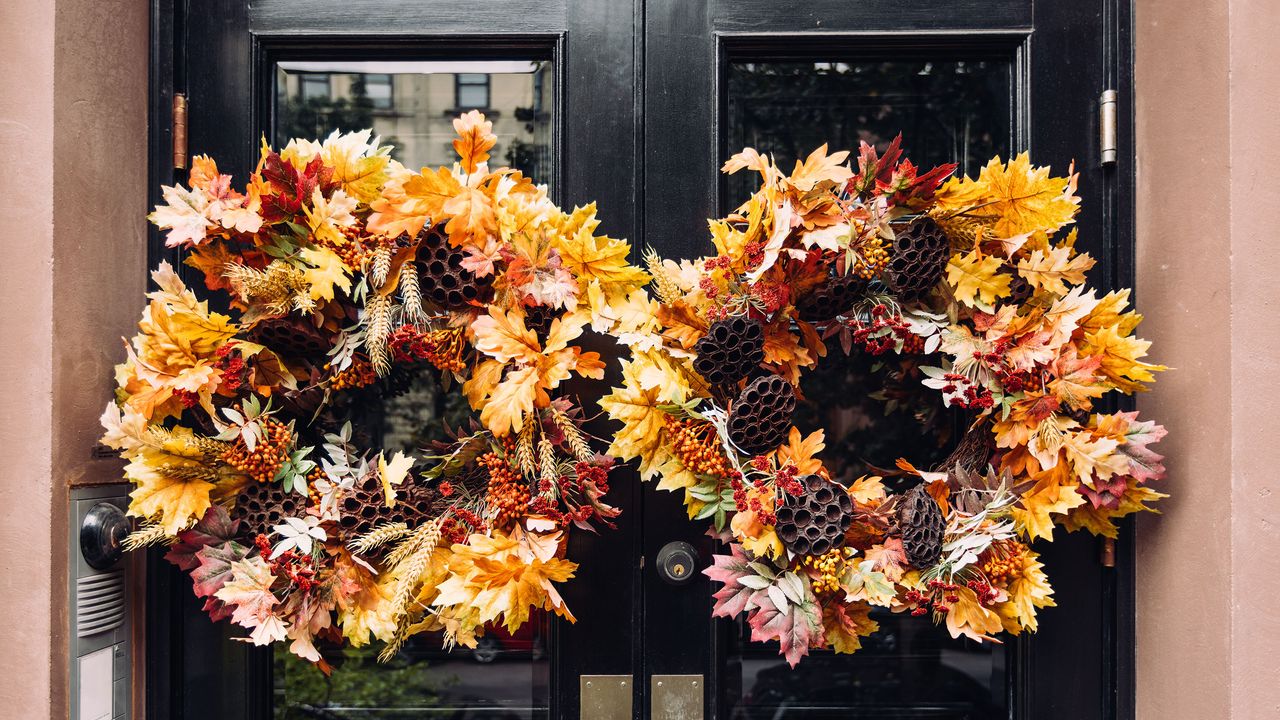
<point>872,257</point>
<point>507,493</point>
<point>444,349</point>
<point>357,375</point>
<point>1000,568</point>
<point>698,446</point>
<point>268,453</point>
<point>349,248</point>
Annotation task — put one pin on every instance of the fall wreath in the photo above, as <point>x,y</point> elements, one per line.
<point>348,278</point>
<point>968,287</point>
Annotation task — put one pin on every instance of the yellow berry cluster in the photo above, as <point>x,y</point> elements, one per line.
<point>828,567</point>
<point>506,493</point>
<point>697,445</point>
<point>872,257</point>
<point>356,375</point>
<point>444,349</point>
<point>268,453</point>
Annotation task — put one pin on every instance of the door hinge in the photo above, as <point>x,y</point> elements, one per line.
<point>1107,142</point>
<point>179,131</point>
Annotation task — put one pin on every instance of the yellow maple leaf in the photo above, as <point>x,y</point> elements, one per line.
<point>845,624</point>
<point>648,380</point>
<point>1052,271</point>
<point>970,618</point>
<point>1110,311</point>
<point>471,217</point>
<point>1016,196</point>
<point>801,452</point>
<point>175,498</point>
<point>357,164</point>
<point>820,167</point>
<point>1046,498</point>
<point>503,577</point>
<point>405,206</point>
<point>327,271</point>
<point>475,139</point>
<point>1120,358</point>
<point>598,258</point>
<point>976,279</point>
<point>868,490</point>
<point>1028,590</point>
<point>511,400</point>
<point>1101,520</point>
<point>392,474</point>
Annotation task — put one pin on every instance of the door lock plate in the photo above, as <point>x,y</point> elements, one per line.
<point>604,697</point>
<point>676,697</point>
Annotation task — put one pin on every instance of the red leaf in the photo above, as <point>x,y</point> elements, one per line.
<point>213,572</point>
<point>215,528</point>
<point>731,599</point>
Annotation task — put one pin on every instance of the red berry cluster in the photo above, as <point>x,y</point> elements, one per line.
<point>187,398</point>
<point>787,480</point>
<point>987,595</point>
<point>971,396</point>
<point>772,296</point>
<point>235,373</point>
<point>881,318</point>
<point>461,523</point>
<point>939,598</point>
<point>408,344</point>
<point>298,568</point>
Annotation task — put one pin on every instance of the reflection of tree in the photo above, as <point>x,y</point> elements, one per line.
<point>316,117</point>
<point>947,111</point>
<point>303,692</point>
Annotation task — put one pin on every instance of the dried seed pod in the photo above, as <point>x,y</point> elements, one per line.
<point>761,415</point>
<point>290,338</point>
<point>920,253</point>
<point>973,453</point>
<point>263,505</point>
<point>441,277</point>
<point>729,350</point>
<point>833,297</point>
<point>364,507</point>
<point>815,522</point>
<point>1020,290</point>
<point>921,523</point>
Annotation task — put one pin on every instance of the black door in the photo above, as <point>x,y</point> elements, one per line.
<point>962,81</point>
<point>635,105</point>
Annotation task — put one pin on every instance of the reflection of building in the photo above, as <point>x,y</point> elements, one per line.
<point>412,104</point>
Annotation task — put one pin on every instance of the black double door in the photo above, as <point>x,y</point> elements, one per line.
<point>635,104</point>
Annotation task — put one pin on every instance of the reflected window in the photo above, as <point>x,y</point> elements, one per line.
<point>411,105</point>
<point>380,90</point>
<point>314,86</point>
<point>472,91</point>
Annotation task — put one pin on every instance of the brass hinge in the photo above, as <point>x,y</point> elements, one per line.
<point>1107,142</point>
<point>179,131</point>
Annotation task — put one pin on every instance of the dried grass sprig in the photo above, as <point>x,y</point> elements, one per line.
<point>377,329</point>
<point>411,293</point>
<point>379,536</point>
<point>149,534</point>
<point>663,285</point>
<point>572,435</point>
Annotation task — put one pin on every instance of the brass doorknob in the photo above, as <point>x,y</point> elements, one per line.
<point>677,562</point>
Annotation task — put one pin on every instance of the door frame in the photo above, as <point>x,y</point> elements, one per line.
<point>168,60</point>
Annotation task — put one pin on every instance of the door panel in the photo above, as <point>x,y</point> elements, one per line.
<point>543,71</point>
<point>962,81</point>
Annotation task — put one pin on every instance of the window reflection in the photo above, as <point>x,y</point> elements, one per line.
<point>872,409</point>
<point>412,104</point>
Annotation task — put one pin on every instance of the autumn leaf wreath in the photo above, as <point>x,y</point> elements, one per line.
<point>341,279</point>
<point>345,279</point>
<point>971,288</point>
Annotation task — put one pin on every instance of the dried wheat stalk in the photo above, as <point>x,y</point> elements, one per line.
<point>663,285</point>
<point>379,536</point>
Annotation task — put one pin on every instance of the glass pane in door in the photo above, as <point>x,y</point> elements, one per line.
<point>411,105</point>
<point>951,110</point>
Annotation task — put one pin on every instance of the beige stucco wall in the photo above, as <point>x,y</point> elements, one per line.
<point>1208,139</point>
<point>73,114</point>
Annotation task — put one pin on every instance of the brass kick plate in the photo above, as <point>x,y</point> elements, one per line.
<point>604,697</point>
<point>676,697</point>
